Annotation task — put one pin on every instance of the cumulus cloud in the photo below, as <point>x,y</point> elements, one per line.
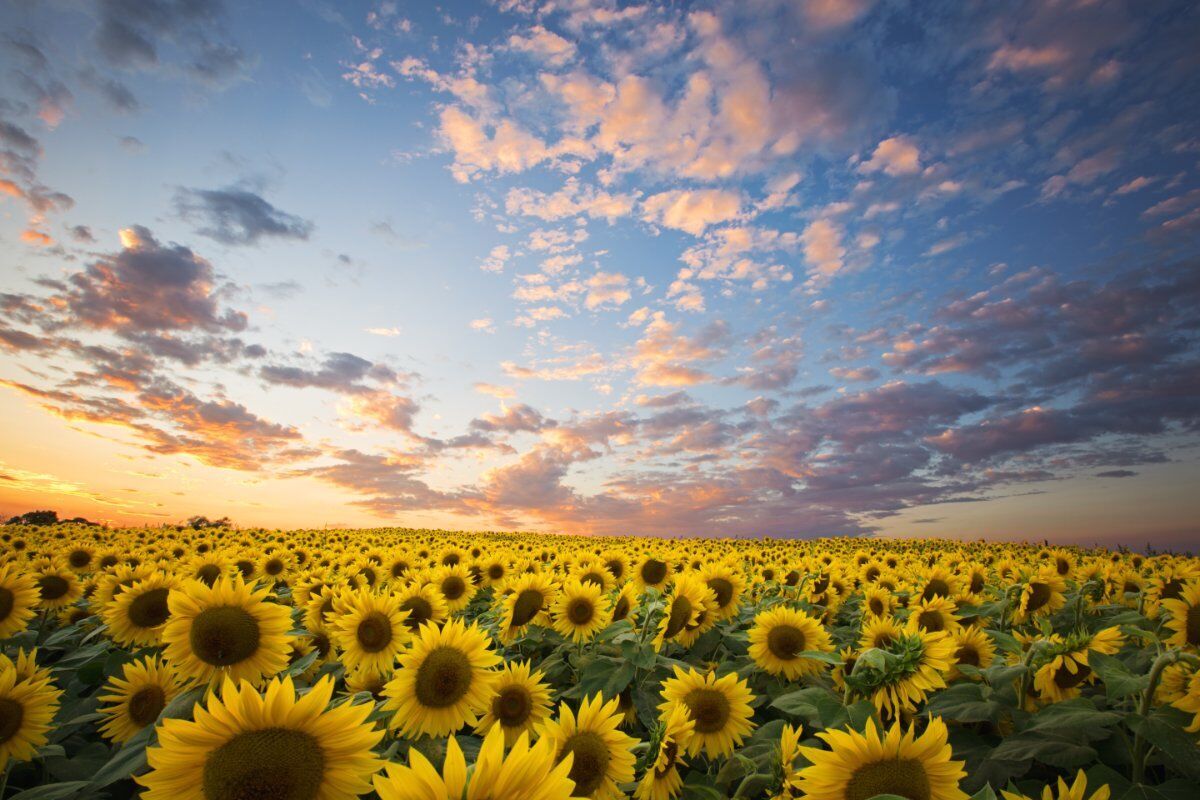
<point>692,210</point>
<point>238,216</point>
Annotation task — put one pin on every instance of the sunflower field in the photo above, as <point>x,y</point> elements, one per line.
<point>224,664</point>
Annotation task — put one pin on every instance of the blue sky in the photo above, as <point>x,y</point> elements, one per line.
<point>824,266</point>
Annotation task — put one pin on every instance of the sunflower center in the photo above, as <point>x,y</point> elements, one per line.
<point>419,611</point>
<point>273,566</point>
<point>593,578</point>
<point>1065,679</point>
<point>224,635</point>
<point>1062,565</point>
<point>1131,588</point>
<point>936,588</point>
<point>53,587</point>
<point>79,559</point>
<point>654,572</point>
<point>443,678</point>
<point>529,603</point>
<point>495,572</point>
<point>209,573</point>
<point>619,612</point>
<point>271,764</point>
<point>374,632</point>
<point>149,609</point>
<point>681,615</point>
<point>876,606</point>
<point>1192,625</point>
<point>709,708</point>
<point>904,777</point>
<point>1172,589</point>
<point>246,567</point>
<point>453,587</point>
<point>7,601</point>
<point>590,764</point>
<point>931,621</point>
<point>616,568</point>
<point>146,704</point>
<point>12,714</point>
<point>723,589</point>
<point>321,642</point>
<point>967,655</point>
<point>976,583</point>
<point>580,611</point>
<point>512,706</point>
<point>670,752</point>
<point>785,642</point>
<point>1039,595</point>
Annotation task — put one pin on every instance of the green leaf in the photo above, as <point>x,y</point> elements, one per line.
<point>963,702</point>
<point>1118,680</point>
<point>1053,750</point>
<point>986,793</point>
<point>753,785</point>
<point>51,791</point>
<point>1073,717</point>
<point>1177,747</point>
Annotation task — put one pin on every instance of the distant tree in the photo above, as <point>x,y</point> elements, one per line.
<point>35,518</point>
<point>199,523</point>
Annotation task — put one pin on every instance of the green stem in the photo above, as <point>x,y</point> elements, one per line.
<point>1027,675</point>
<point>1140,750</point>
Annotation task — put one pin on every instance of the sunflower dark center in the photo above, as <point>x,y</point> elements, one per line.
<point>903,777</point>
<point>590,764</point>
<point>443,678</point>
<point>209,573</point>
<point>79,559</point>
<point>108,561</point>
<point>527,606</point>
<point>681,615</point>
<point>246,567</point>
<point>785,642</point>
<point>1192,625</point>
<point>53,587</point>
<point>594,578</point>
<point>709,708</point>
<point>792,578</point>
<point>495,572</point>
<point>967,655</point>
<point>273,566</point>
<point>871,574</point>
<point>654,572</point>
<point>374,632</point>
<point>321,642</point>
<point>936,588</point>
<point>1062,565</point>
<point>621,610</point>
<point>271,764</point>
<point>1172,589</point>
<point>512,706</point>
<point>1039,596</point>
<point>12,714</point>
<point>1131,588</point>
<point>580,611</point>
<point>453,587</point>
<point>931,621</point>
<point>399,568</point>
<point>146,704</point>
<point>723,589</point>
<point>821,583</point>
<point>7,601</point>
<point>369,574</point>
<point>419,611</point>
<point>149,609</point>
<point>615,567</point>
<point>224,635</point>
<point>976,583</point>
<point>1065,679</point>
<point>876,606</point>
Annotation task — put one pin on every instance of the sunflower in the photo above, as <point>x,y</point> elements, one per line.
<point>878,602</point>
<point>1184,620</point>
<point>81,559</point>
<point>27,708</point>
<point>581,611</point>
<point>57,586</point>
<point>527,772</point>
<point>880,632</point>
<point>922,659</point>
<point>602,755</point>
<point>207,567</point>
<point>935,614</point>
<point>1174,683</point>
<point>688,598</point>
<point>593,572</point>
<point>720,707</point>
<point>18,599</point>
<point>1041,596</point>
<point>1066,670</point>
<point>938,582</point>
<point>861,765</point>
<point>273,745</point>
<point>1077,790</point>
<point>444,680</point>
<point>520,701</point>
<point>370,630</point>
<point>274,566</point>
<point>727,584</point>
<point>228,630</point>
<point>625,604</point>
<point>662,780</point>
<point>136,617</point>
<point>527,601</point>
<point>974,648</point>
<point>456,586</point>
<point>651,573</point>
<point>137,697</point>
<point>789,751</point>
<point>781,635</point>
<point>1190,702</point>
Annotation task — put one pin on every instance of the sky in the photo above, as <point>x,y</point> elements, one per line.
<point>802,268</point>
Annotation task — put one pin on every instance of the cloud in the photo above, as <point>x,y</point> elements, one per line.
<point>823,249</point>
<point>896,156</point>
<point>496,258</point>
<point>388,332</point>
<point>484,324</point>
<point>544,45</point>
<point>236,216</point>
<point>606,289</point>
<point>665,357</point>
<point>571,200</point>
<point>692,210</point>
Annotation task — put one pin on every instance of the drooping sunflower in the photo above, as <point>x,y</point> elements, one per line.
<point>1067,668</point>
<point>136,616</point>
<point>527,601</point>
<point>275,745</point>
<point>688,598</point>
<point>370,630</point>
<point>602,756</point>
<point>228,630</point>
<point>27,708</point>
<point>662,780</point>
<point>861,765</point>
<point>1076,790</point>
<point>974,648</point>
<point>444,680</point>
<point>923,660</point>
<point>1184,620</point>
<point>779,636</point>
<point>520,702</point>
<point>581,611</point>
<point>528,772</point>
<point>1041,596</point>
<point>18,600</point>
<point>137,697</point>
<point>720,707</point>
